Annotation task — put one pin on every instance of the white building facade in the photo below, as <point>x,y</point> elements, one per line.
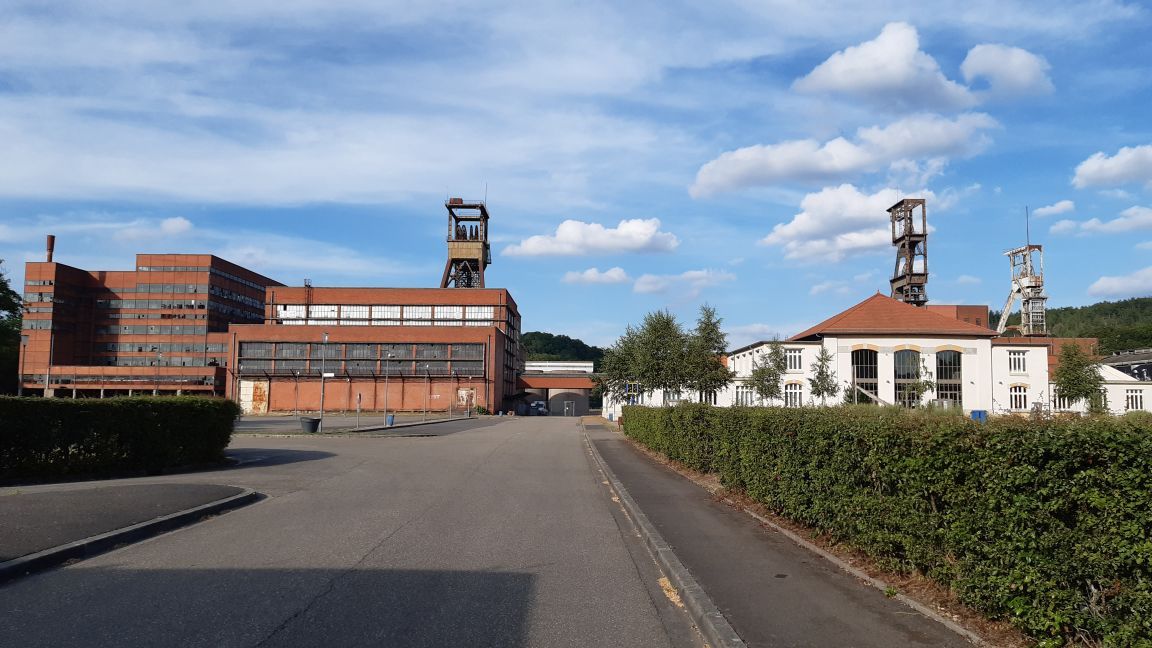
<point>881,349</point>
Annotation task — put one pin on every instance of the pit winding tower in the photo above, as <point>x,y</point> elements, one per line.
<point>910,276</point>
<point>469,252</point>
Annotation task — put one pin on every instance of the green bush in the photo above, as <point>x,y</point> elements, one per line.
<point>58,437</point>
<point>1047,523</point>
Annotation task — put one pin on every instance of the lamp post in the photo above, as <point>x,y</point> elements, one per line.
<point>387,372</point>
<point>323,375</point>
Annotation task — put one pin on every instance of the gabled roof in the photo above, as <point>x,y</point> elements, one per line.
<point>881,315</point>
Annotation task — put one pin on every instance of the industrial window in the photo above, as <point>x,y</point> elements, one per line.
<point>360,351</point>
<point>1100,400</point>
<point>865,375</point>
<point>1018,397</point>
<point>467,351</point>
<point>322,350</point>
<point>1016,361</point>
<point>417,312</point>
<point>1060,403</point>
<point>291,366</point>
<point>949,377</point>
<point>468,367</point>
<point>255,349</point>
<point>291,311</point>
<point>248,365</point>
<point>360,366</point>
<point>794,358</point>
<point>291,350</point>
<point>431,368</point>
<point>396,367</point>
<point>354,312</point>
<point>386,312</point>
<point>449,313</point>
<point>907,377</point>
<point>326,311</point>
<point>478,313</point>
<point>432,351</point>
<point>395,350</point>
<point>1133,400</point>
<point>633,395</point>
<point>793,393</point>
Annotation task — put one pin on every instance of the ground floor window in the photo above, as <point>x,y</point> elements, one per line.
<point>949,377</point>
<point>745,395</point>
<point>793,393</point>
<point>1133,400</point>
<point>1018,397</point>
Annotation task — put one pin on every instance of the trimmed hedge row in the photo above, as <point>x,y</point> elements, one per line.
<point>45,437</point>
<point>1046,523</point>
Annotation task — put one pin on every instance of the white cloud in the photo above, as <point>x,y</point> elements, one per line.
<point>594,276</point>
<point>1137,284</point>
<point>575,237</point>
<point>1010,71</point>
<point>689,283</point>
<point>1061,207</point>
<point>1146,245</point>
<point>175,225</point>
<point>837,222</point>
<point>1130,220</point>
<point>1129,165</point>
<point>876,147</point>
<point>838,287</point>
<point>890,70</point>
<point>968,280</point>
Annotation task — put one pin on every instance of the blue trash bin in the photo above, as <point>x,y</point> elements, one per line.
<point>389,420</point>
<point>980,416</point>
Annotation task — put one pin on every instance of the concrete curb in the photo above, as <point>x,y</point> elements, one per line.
<point>360,431</point>
<point>874,582</point>
<point>713,626</point>
<point>98,544</point>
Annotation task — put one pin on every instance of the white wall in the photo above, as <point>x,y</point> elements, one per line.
<point>1034,377</point>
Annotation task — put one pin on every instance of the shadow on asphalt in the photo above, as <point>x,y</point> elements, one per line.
<point>253,457</point>
<point>273,607</point>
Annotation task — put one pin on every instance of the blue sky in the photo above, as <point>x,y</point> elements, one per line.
<point>635,156</point>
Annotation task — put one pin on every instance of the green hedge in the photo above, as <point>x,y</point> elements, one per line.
<point>58,437</point>
<point>1046,523</point>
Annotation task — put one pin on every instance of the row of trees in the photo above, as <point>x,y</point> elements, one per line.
<point>10,324</point>
<point>661,355</point>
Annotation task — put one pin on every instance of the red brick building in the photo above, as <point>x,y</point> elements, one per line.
<point>160,328</point>
<point>394,349</point>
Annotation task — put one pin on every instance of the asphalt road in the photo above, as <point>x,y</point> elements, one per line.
<point>498,534</point>
<point>280,424</point>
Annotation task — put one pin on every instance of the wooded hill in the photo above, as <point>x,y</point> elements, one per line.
<point>1119,325</point>
<point>546,346</point>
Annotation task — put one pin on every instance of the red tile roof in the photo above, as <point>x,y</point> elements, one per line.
<point>881,315</point>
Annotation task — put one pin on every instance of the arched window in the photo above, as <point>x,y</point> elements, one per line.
<point>949,377</point>
<point>865,375</point>
<point>907,378</point>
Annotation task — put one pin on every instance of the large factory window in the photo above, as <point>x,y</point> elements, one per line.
<point>949,377</point>
<point>907,376</point>
<point>865,374</point>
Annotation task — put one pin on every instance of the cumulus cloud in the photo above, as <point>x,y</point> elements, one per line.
<point>1137,284</point>
<point>573,238</point>
<point>837,222</point>
<point>1130,220</point>
<point>889,70</point>
<point>689,283</point>
<point>1010,71</point>
<point>1061,207</point>
<point>594,276</point>
<point>967,280</point>
<point>1146,245</point>
<point>895,145</point>
<point>1131,164</point>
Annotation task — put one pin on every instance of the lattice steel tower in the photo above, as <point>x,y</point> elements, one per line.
<point>910,276</point>
<point>468,250</point>
<point>1027,285</point>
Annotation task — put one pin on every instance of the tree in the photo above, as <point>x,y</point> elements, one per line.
<point>546,346</point>
<point>823,383</point>
<point>767,371</point>
<point>647,358</point>
<point>1077,377</point>
<point>10,325</point>
<point>705,371</point>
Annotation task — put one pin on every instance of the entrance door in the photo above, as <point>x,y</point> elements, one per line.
<point>254,396</point>
<point>569,408</point>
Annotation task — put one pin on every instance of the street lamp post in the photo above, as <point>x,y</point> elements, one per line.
<point>323,375</point>
<point>387,374</point>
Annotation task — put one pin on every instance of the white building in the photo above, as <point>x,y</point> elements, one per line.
<point>881,346</point>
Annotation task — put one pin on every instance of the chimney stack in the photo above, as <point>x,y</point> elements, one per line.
<point>51,246</point>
